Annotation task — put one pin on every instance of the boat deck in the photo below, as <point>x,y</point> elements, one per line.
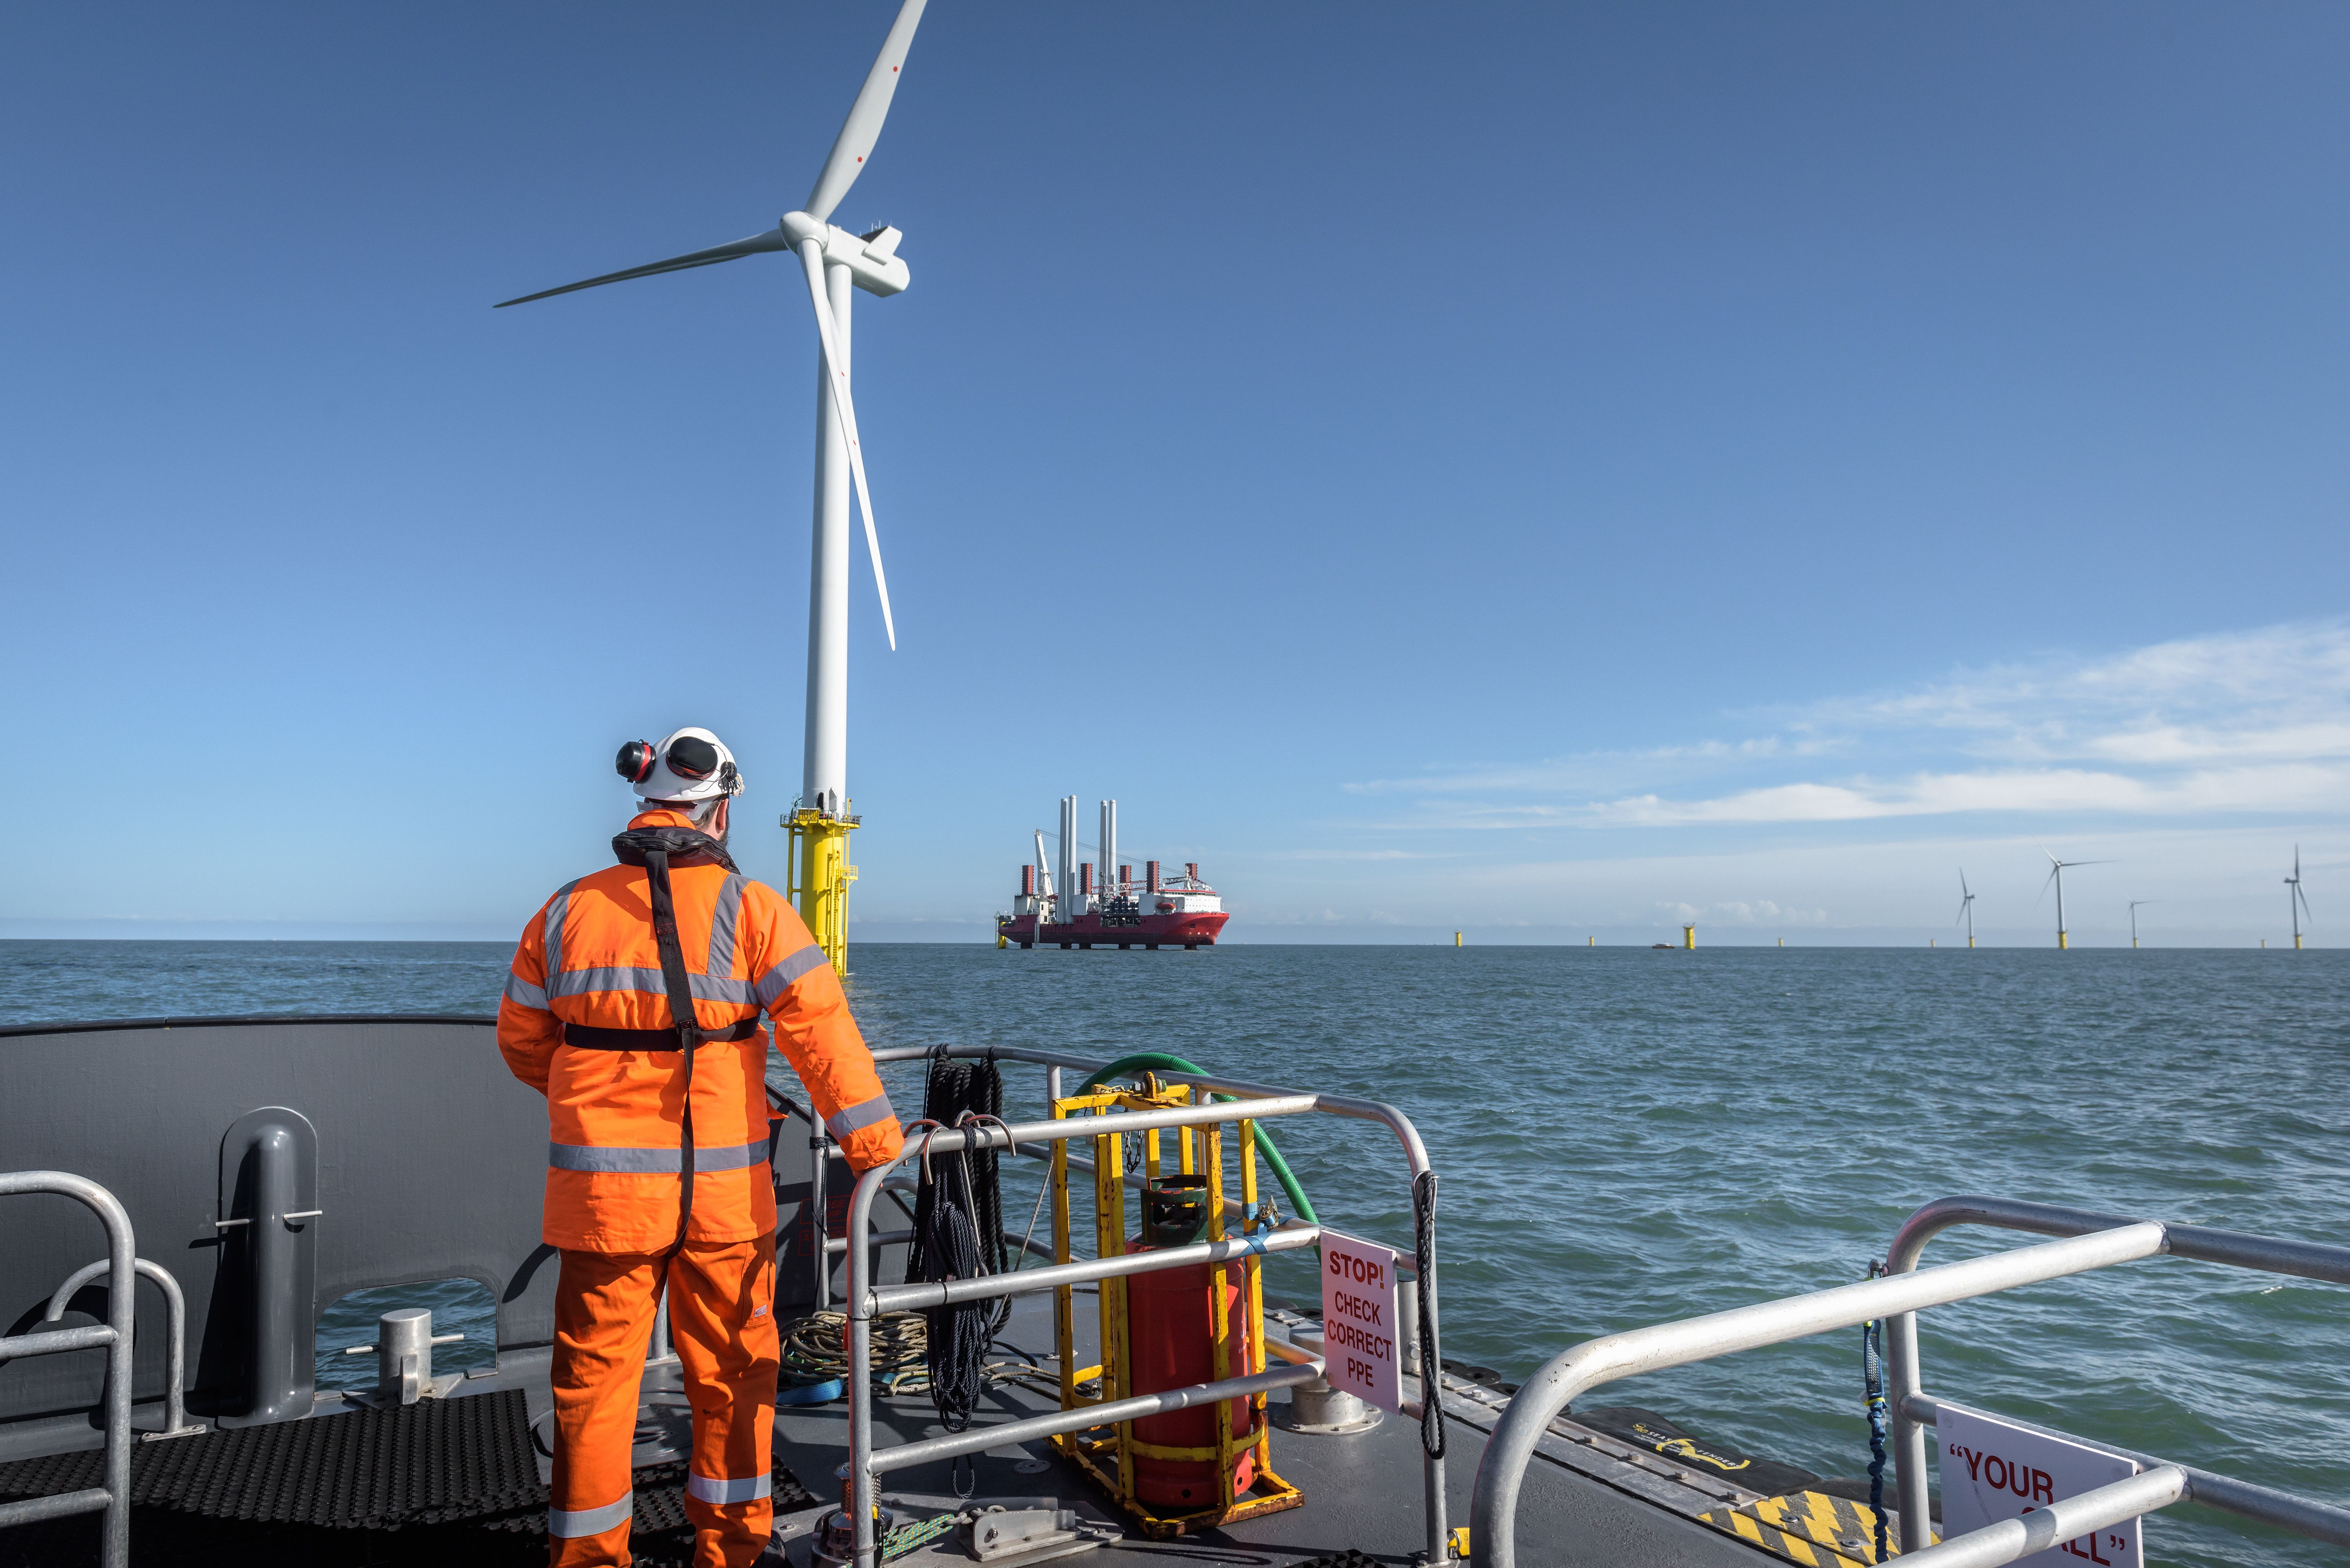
<point>1603,1503</point>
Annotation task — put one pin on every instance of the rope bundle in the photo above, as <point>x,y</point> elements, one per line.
<point>958,1235</point>
<point>816,1350</point>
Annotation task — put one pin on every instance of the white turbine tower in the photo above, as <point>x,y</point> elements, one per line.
<point>2134,903</point>
<point>835,263</point>
<point>1966,906</point>
<point>2056,869</point>
<point>2298,899</point>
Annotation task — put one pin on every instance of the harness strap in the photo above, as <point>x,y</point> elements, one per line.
<point>590,1037</point>
<point>687,1028</point>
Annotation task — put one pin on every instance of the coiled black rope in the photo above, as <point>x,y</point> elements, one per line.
<point>1431,1370</point>
<point>1872,1382</point>
<point>947,1240</point>
<point>954,1090</point>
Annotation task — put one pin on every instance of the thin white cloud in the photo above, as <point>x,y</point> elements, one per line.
<point>2241,722</point>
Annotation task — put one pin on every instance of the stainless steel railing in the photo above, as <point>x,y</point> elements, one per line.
<point>175,1347</point>
<point>121,1306</point>
<point>1912,1412</point>
<point>867,1465</point>
<point>2093,1241</point>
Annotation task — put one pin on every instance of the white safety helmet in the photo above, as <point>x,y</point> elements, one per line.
<point>691,764</point>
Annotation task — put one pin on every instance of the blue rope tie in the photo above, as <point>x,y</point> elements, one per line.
<point>1872,1377</point>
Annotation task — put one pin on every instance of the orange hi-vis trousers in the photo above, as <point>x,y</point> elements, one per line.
<point>722,1325</point>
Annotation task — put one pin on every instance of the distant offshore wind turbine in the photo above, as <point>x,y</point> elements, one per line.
<point>2056,869</point>
<point>2134,903</point>
<point>1965,906</point>
<point>2297,900</point>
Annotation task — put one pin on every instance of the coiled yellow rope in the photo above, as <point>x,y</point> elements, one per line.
<point>815,1350</point>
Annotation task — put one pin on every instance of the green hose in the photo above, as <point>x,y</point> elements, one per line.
<point>1166,1062</point>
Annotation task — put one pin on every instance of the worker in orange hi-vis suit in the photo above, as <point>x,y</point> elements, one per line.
<point>659,1142</point>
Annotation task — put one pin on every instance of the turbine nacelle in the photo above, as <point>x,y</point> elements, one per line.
<point>871,260</point>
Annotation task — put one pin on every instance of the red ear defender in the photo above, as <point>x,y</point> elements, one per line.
<point>635,760</point>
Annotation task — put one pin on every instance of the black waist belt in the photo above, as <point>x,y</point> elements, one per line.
<point>589,1037</point>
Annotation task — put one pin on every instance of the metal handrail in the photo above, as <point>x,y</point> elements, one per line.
<point>2066,1518</point>
<point>865,1465</point>
<point>1500,1474</point>
<point>122,1307</point>
<point>2229,1494</point>
<point>175,1347</point>
<point>2094,1240</point>
<point>2307,1259</point>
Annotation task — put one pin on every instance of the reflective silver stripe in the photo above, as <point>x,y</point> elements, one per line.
<point>705,988</point>
<point>721,927</point>
<point>571,1523</point>
<point>740,1158</point>
<point>557,909</point>
<point>737,1489</point>
<point>653,1161</point>
<point>840,1124</point>
<point>784,971</point>
<point>522,993</point>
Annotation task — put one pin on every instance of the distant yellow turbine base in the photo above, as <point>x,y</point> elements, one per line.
<point>820,875</point>
<point>2061,943</point>
<point>1688,938</point>
<point>2296,941</point>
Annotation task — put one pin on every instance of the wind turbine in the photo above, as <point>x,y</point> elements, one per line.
<point>835,263</point>
<point>2298,899</point>
<point>2134,903</point>
<point>2056,869</point>
<point>1966,906</point>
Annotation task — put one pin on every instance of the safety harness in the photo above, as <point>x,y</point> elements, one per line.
<point>657,849</point>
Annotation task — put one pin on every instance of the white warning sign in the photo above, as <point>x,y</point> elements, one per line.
<point>1994,1469</point>
<point>1358,1320</point>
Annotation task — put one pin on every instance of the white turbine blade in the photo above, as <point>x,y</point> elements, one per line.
<point>845,411</point>
<point>773,240</point>
<point>862,129</point>
<point>2053,871</point>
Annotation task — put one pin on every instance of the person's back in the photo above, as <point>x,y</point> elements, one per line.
<point>657,1155</point>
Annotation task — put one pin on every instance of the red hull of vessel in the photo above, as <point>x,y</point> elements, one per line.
<point>1148,931</point>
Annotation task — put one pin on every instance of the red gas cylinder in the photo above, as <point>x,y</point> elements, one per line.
<point>1168,1315</point>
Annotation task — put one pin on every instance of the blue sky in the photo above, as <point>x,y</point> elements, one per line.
<point>1544,471</point>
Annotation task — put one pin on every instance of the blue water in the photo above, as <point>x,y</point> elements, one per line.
<point>1628,1136</point>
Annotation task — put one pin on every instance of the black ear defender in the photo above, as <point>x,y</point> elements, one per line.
<point>635,760</point>
<point>692,757</point>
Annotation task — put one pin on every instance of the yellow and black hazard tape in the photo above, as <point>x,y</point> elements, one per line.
<point>1806,1527</point>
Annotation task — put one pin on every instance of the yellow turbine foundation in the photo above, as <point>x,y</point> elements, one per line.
<point>2061,943</point>
<point>820,875</point>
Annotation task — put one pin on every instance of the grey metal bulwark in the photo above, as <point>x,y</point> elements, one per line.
<point>430,1163</point>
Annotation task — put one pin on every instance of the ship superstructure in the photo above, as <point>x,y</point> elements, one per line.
<point>1100,903</point>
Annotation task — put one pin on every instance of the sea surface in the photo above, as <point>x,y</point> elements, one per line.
<point>1627,1135</point>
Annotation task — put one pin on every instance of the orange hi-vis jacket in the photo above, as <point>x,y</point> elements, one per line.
<point>616,1121</point>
